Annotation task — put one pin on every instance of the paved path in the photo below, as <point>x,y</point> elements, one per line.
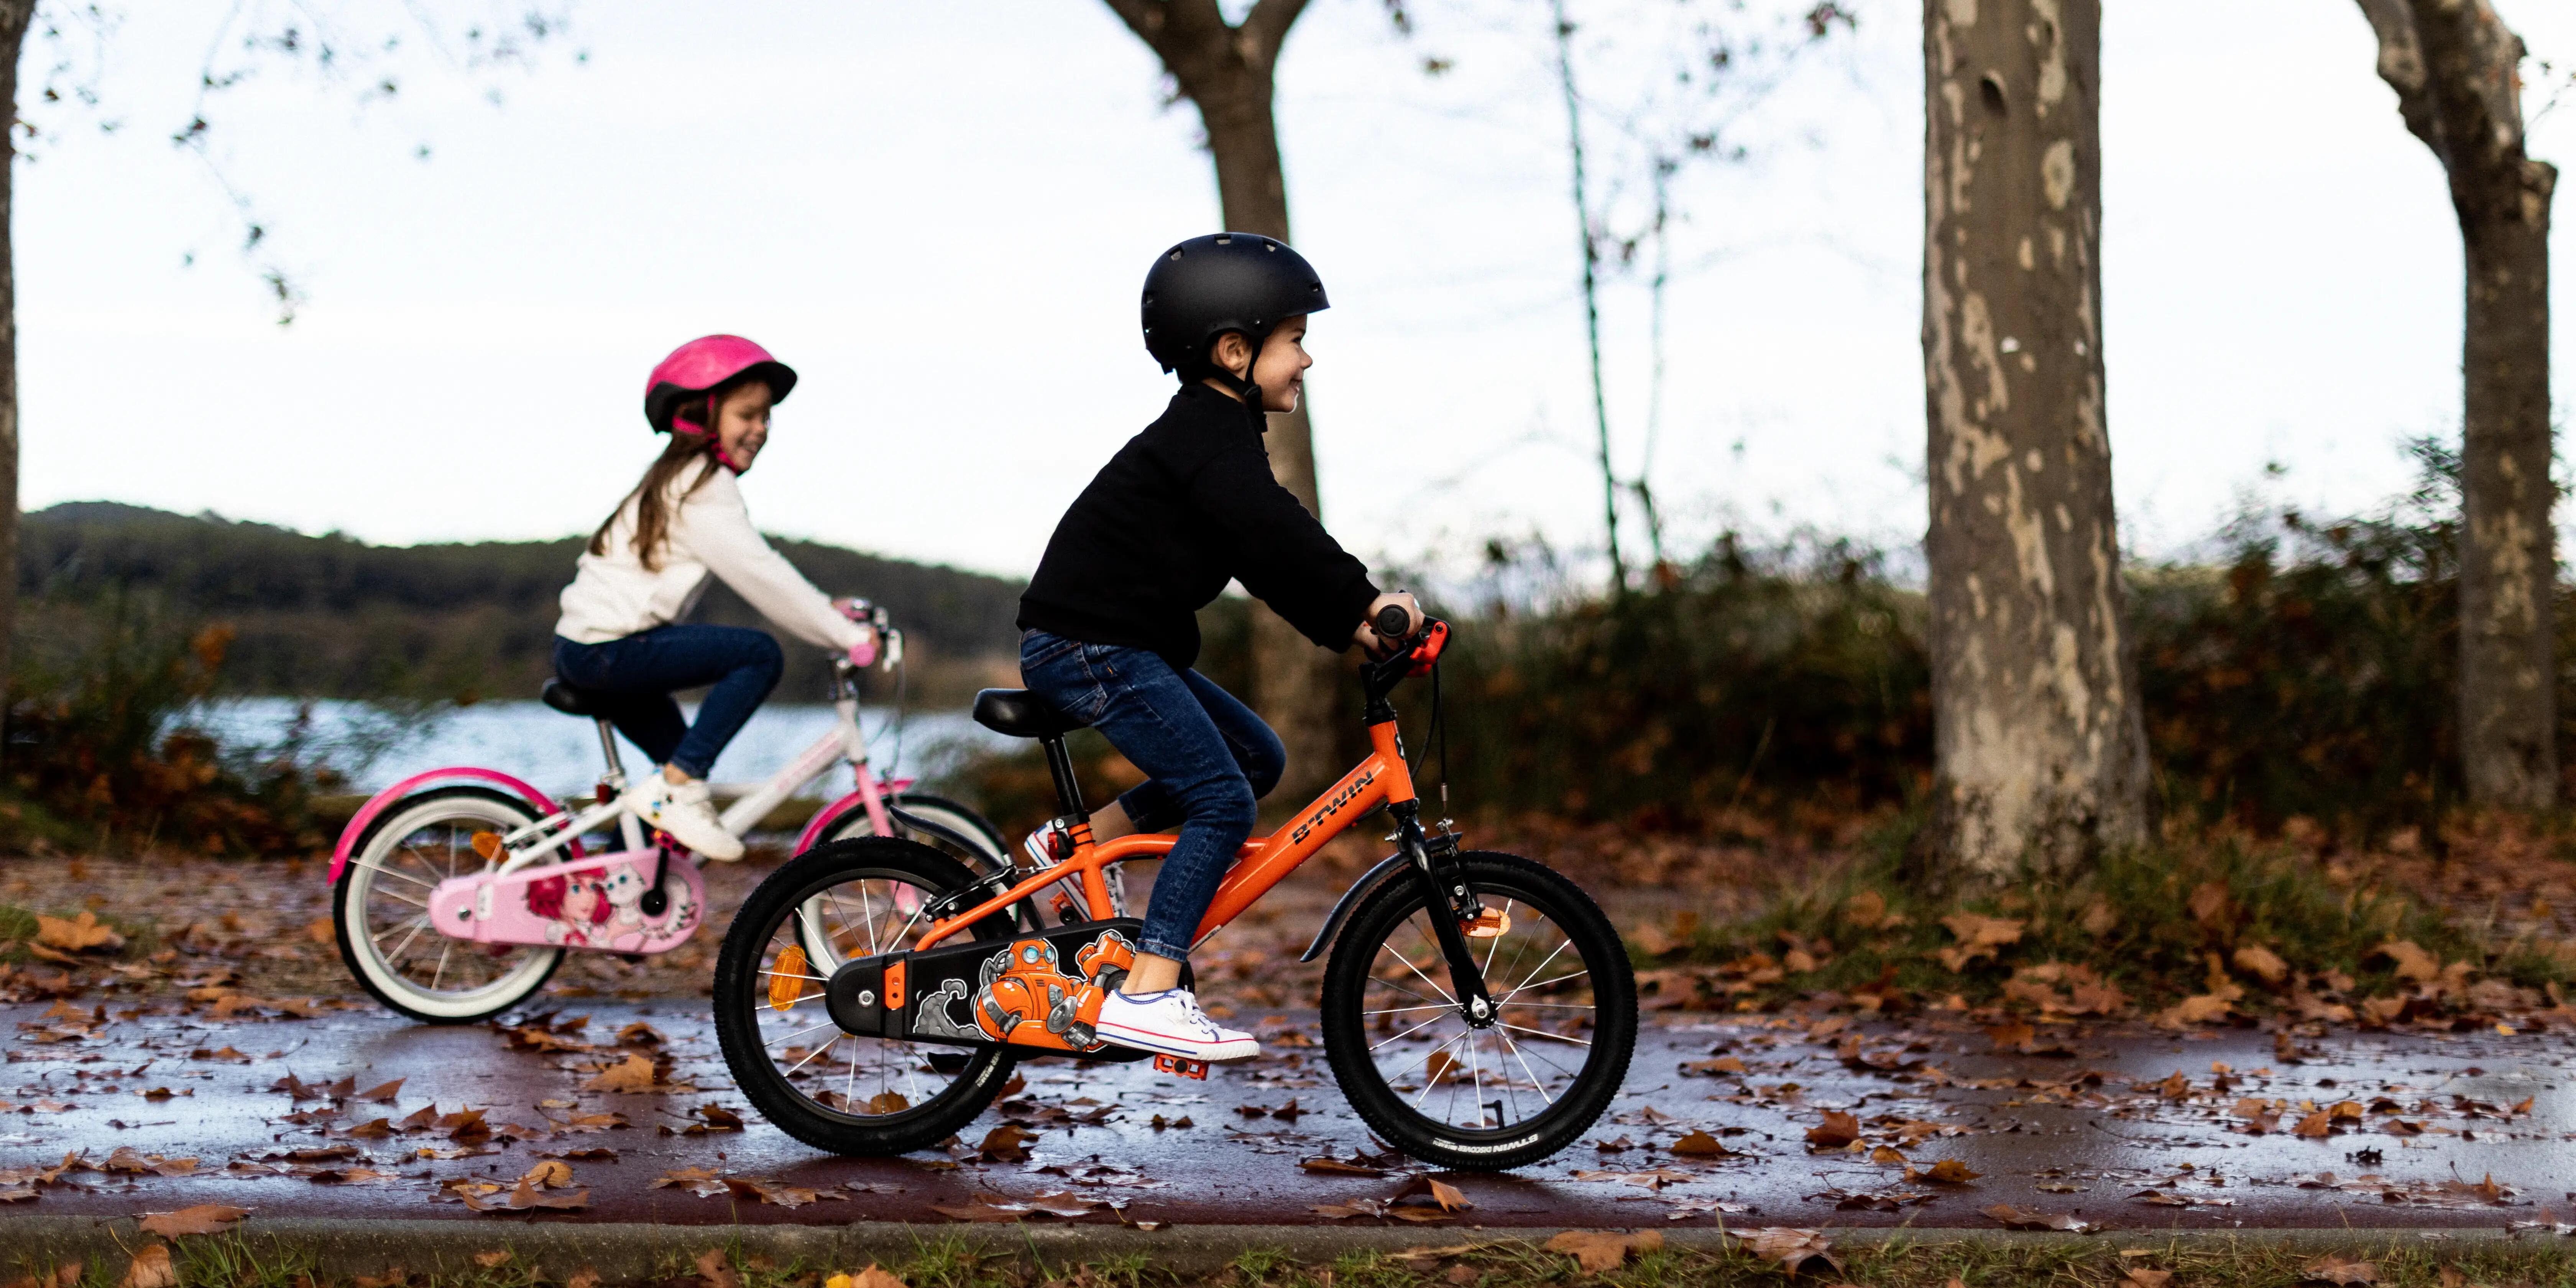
<point>2466,1131</point>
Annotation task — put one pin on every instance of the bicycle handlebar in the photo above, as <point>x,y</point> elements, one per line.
<point>1391,621</point>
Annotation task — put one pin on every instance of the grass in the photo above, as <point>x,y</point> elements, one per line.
<point>2159,923</point>
<point>233,1261</point>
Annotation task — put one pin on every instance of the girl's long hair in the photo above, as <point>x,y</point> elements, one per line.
<point>691,442</point>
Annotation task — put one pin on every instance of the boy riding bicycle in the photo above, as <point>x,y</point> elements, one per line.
<point>1111,614</point>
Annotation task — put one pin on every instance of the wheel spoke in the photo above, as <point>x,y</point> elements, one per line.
<point>1415,1029</point>
<point>1542,1033</point>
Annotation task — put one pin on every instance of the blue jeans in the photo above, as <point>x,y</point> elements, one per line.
<point>1206,758</point>
<point>636,674</point>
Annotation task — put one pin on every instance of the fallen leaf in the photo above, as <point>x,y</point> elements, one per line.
<point>382,1093</point>
<point>2142,1277</point>
<point>2261,963</point>
<point>2020,1218</point>
<point>875,1276</point>
<point>205,1218</point>
<point>1840,1129</point>
<point>715,1270</point>
<point>633,1075</point>
<point>1950,1171</point>
<point>494,1259</point>
<point>1599,1250</point>
<point>81,935</point>
<point>151,1267</point>
<point>1700,1144</point>
<point>2335,1268</point>
<point>696,1180</point>
<point>2412,963</point>
<point>1326,1166</point>
<point>1792,1248</point>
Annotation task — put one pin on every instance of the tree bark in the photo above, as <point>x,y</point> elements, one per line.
<point>2457,73</point>
<point>15,16</point>
<point>1226,70</point>
<point>2040,756</point>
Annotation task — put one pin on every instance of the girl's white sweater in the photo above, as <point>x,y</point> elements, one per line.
<point>614,595</point>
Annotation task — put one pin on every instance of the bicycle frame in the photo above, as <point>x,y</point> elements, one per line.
<point>1381,779</point>
<point>560,829</point>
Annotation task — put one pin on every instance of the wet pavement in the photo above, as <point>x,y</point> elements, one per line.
<point>1753,1120</point>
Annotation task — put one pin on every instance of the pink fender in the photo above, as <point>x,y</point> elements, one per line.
<point>826,817</point>
<point>386,799</point>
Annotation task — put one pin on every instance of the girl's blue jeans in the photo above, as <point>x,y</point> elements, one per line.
<point>638,672</point>
<point>1207,758</point>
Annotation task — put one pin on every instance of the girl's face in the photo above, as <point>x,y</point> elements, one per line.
<point>581,901</point>
<point>742,423</point>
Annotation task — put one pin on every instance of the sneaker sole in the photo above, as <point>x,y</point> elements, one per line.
<point>1213,1053</point>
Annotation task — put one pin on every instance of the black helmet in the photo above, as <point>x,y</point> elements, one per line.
<point>1222,282</point>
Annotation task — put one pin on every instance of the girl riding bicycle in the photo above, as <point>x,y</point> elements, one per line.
<point>621,639</point>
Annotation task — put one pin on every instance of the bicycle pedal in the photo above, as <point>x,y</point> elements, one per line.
<point>1065,914</point>
<point>1181,1065</point>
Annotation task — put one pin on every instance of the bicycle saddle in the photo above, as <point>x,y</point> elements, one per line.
<point>1021,714</point>
<point>571,701</point>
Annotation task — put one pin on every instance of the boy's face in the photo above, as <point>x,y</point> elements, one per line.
<point>1281,372</point>
<point>1281,369</point>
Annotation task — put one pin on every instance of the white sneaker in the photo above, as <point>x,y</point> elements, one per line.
<point>1171,1023</point>
<point>683,810</point>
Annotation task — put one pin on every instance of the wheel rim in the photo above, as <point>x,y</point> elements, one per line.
<point>811,915</point>
<point>1497,1080</point>
<point>858,1080</point>
<point>387,912</point>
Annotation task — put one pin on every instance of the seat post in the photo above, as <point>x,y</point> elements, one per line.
<point>608,750</point>
<point>1068,793</point>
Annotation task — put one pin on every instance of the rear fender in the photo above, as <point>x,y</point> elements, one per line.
<point>384,800</point>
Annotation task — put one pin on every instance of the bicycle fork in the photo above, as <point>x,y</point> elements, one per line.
<point>1444,887</point>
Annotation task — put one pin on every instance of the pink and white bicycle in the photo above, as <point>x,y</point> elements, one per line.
<point>457,891</point>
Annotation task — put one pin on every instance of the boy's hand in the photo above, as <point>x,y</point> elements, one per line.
<point>1380,646</point>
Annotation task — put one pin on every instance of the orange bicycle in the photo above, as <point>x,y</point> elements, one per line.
<point>1478,1009</point>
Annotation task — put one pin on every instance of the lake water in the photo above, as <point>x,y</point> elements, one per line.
<point>560,753</point>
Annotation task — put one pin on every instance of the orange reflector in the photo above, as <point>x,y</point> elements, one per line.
<point>488,844</point>
<point>787,979</point>
<point>1489,924</point>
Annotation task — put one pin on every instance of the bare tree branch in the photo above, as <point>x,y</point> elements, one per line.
<point>1267,28</point>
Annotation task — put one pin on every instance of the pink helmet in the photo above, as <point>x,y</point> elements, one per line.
<point>707,363</point>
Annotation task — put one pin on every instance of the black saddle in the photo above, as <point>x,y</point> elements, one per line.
<point>573,702</point>
<point>1021,714</point>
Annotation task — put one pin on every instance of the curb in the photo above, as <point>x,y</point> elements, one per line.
<point>634,1250</point>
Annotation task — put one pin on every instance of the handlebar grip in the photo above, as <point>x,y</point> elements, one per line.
<point>1391,621</point>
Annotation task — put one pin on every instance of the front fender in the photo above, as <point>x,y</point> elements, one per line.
<point>1387,869</point>
<point>384,800</point>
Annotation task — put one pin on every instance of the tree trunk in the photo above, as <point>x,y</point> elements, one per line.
<point>1227,71</point>
<point>2039,754</point>
<point>2457,73</point>
<point>15,16</point>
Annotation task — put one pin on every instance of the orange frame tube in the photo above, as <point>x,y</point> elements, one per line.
<point>1381,779</point>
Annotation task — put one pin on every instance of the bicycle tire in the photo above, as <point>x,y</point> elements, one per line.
<point>990,855</point>
<point>369,973</point>
<point>740,989</point>
<point>1499,880</point>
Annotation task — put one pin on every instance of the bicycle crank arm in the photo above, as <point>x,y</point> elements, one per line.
<point>1033,994</point>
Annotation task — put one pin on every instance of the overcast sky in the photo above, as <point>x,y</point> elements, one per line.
<point>939,213</point>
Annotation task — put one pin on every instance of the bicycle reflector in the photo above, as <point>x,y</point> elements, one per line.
<point>786,979</point>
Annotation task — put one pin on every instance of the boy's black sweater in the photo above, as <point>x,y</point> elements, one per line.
<point>1183,508</point>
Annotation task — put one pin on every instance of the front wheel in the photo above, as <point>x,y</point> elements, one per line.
<point>1491,1096</point>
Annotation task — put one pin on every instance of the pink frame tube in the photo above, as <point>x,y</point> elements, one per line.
<point>384,800</point>
<point>870,796</point>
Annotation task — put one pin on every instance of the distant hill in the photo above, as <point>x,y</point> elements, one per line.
<point>331,616</point>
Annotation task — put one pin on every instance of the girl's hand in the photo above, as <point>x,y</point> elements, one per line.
<point>864,653</point>
<point>1381,646</point>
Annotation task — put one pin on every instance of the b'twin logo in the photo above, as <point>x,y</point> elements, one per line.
<point>1331,807</point>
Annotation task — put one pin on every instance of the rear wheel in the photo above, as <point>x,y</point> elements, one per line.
<point>962,834</point>
<point>833,1090</point>
<point>380,909</point>
<point>1481,1096</point>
